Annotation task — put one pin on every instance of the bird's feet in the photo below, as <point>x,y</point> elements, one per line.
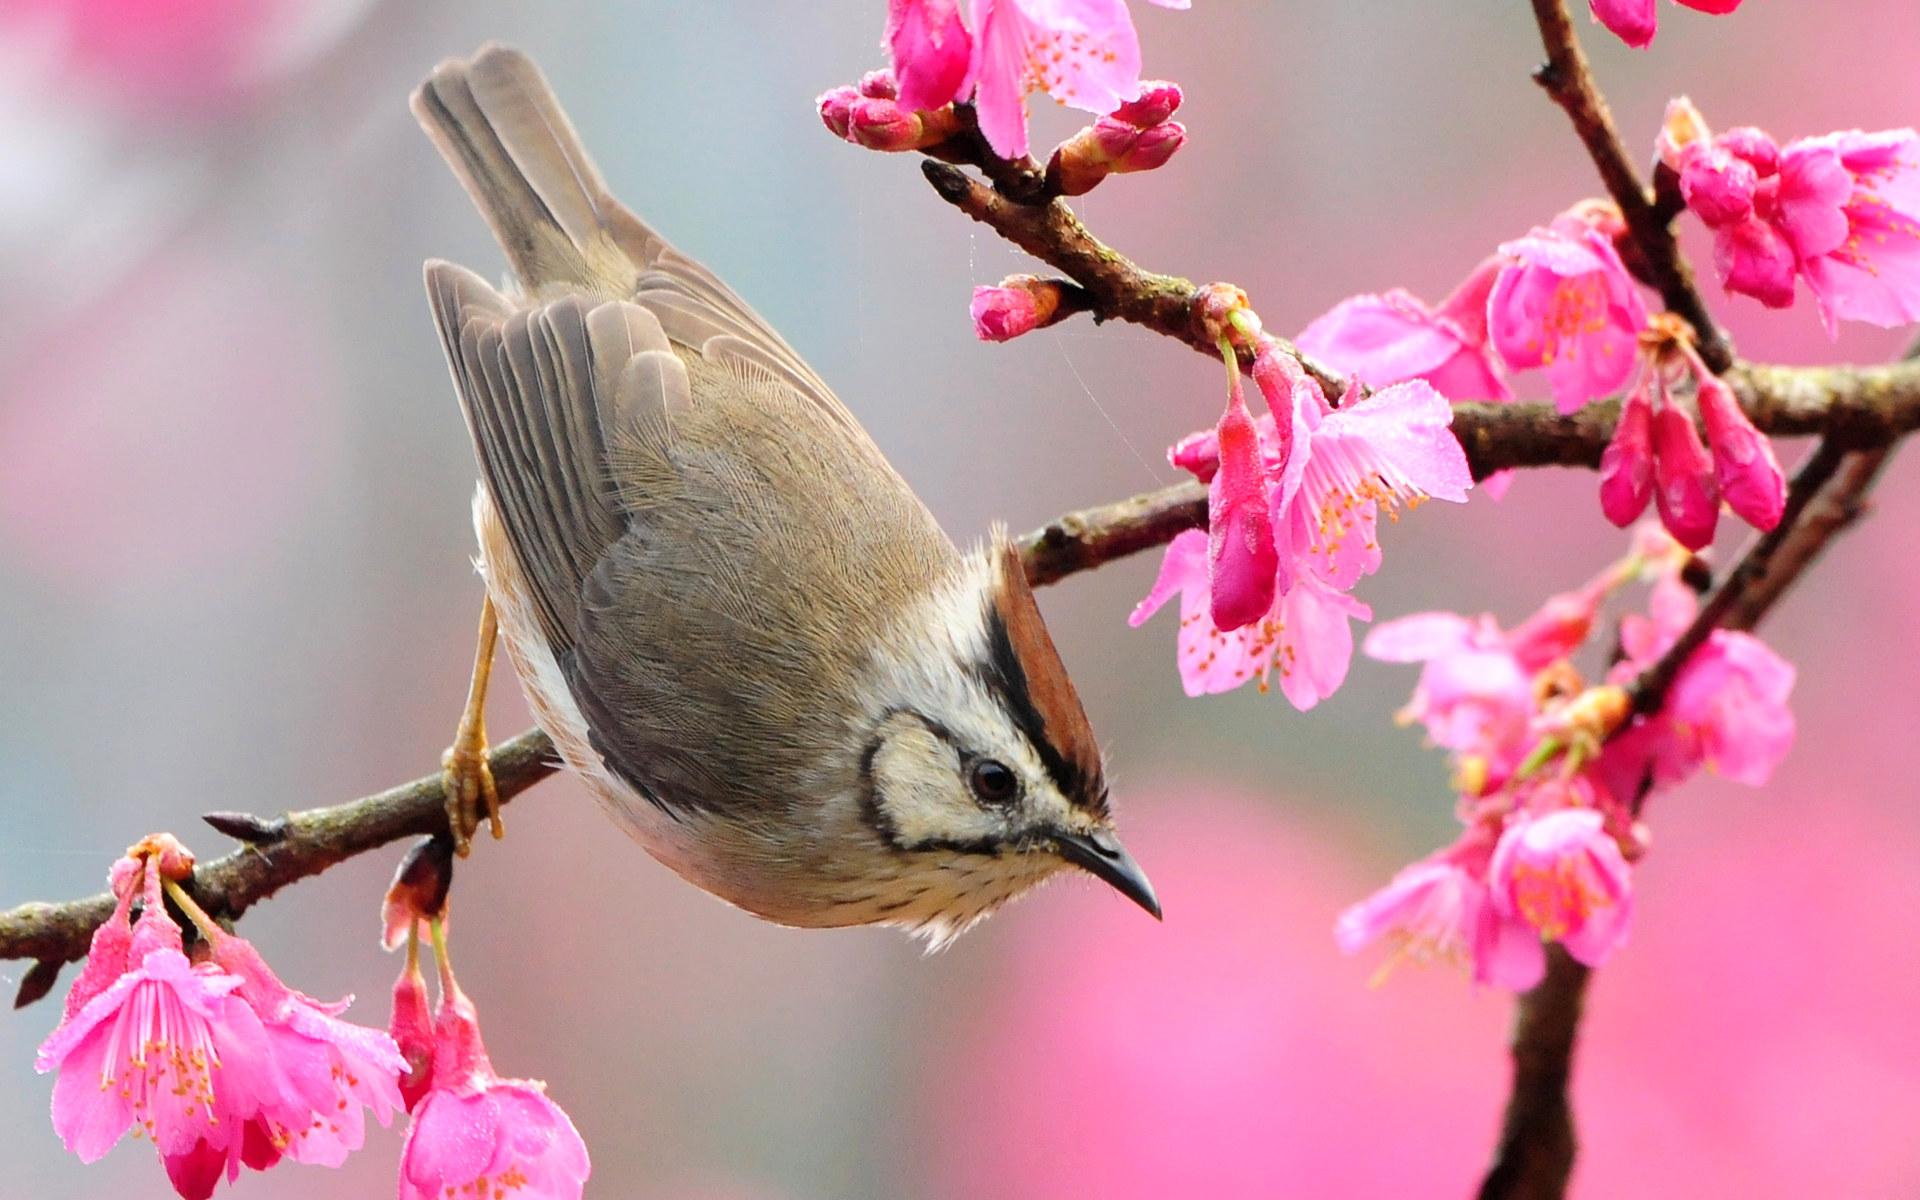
<point>466,776</point>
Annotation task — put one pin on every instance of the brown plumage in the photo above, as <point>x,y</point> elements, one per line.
<point>738,622</point>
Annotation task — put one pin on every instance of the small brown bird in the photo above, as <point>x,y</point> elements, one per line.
<point>736,621</point>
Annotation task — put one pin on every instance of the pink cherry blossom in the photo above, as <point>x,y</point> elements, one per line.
<point>1391,448</point>
<point>476,1133</point>
<point>329,1069</point>
<point>1393,337</point>
<point>1083,53</point>
<point>1635,21</point>
<point>1303,638</point>
<point>1728,708</point>
<point>1563,874</point>
<point>1475,694</point>
<point>1565,303</point>
<point>1871,270</point>
<point>931,50</point>
<point>1243,563</point>
<point>166,1047</point>
<point>1429,912</point>
<point>412,1029</point>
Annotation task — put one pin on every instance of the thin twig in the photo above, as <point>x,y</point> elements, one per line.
<point>1569,80</point>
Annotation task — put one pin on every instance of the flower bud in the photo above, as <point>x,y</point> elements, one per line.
<point>878,85</point>
<point>1744,465</point>
<point>419,889</point>
<point>1152,148</point>
<point>1003,313</point>
<point>1626,466</point>
<point>1752,146</point>
<point>1158,100</point>
<point>887,126</point>
<point>1684,487</point>
<point>836,109</point>
<point>1681,132</point>
<point>1719,187</point>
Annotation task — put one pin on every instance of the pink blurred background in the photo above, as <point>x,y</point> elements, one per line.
<point>234,574</point>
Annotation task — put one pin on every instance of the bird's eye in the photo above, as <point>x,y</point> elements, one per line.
<point>992,782</point>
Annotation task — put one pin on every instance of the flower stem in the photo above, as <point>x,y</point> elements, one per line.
<point>208,927</point>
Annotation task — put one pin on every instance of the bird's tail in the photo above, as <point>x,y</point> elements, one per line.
<point>499,127</point>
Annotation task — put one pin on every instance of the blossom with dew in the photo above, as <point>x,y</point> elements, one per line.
<point>1303,641</point>
<point>1635,21</point>
<point>1684,489</point>
<point>1563,874</point>
<point>1083,53</point>
<point>1393,336</point>
<point>1744,465</point>
<point>931,51</point>
<point>1626,465</point>
<point>1841,212</point>
<point>157,1046</point>
<point>329,1070</point>
<point>1391,448</point>
<point>1564,303</point>
<point>474,1133</point>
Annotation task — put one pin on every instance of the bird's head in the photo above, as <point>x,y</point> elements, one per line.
<point>979,772</point>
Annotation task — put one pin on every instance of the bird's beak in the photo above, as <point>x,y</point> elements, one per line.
<point>1101,854</point>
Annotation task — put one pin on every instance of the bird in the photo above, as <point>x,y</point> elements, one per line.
<point>737,622</point>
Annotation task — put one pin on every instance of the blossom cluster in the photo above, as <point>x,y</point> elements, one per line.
<point>1293,514</point>
<point>1840,213</point>
<point>220,1065</point>
<point>215,1061</point>
<point>1551,775</point>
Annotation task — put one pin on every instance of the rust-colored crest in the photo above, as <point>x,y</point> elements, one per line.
<point>1024,666</point>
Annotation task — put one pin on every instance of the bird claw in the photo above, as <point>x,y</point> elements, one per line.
<point>466,777</point>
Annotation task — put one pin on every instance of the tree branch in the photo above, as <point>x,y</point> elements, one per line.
<point>1534,1158</point>
<point>284,850</point>
<point>1569,80</point>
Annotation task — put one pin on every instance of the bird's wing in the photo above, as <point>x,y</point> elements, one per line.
<point>541,386</point>
<point>710,549</point>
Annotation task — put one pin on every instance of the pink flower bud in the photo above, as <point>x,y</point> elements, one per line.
<point>1152,148</point>
<point>836,109</point>
<point>1003,313</point>
<point>1682,131</point>
<point>1110,138</point>
<point>1752,146</point>
<point>883,125</point>
<point>1744,465</point>
<point>1626,467</point>
<point>412,1030</point>
<point>878,85</point>
<point>1198,453</point>
<point>1158,100</point>
<point>1242,557</point>
<point>1684,487</point>
<point>1718,187</point>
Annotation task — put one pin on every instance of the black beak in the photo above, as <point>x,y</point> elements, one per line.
<point>1102,855</point>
